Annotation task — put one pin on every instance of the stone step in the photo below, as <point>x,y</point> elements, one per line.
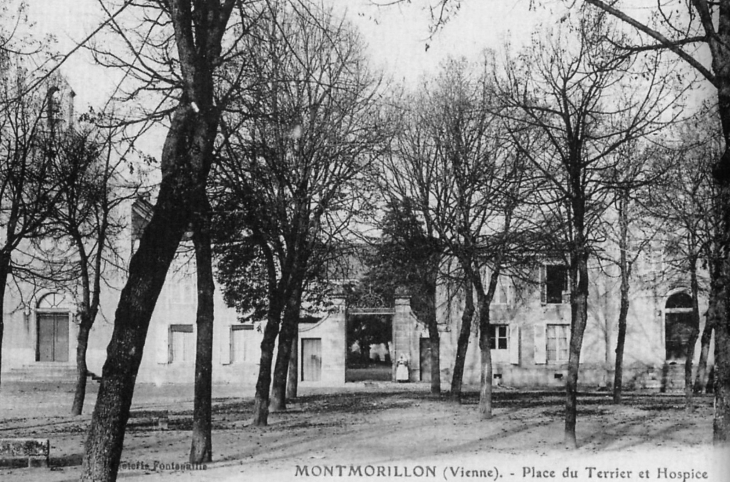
<point>672,378</point>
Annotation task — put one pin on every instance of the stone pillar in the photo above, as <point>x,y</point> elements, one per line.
<point>334,344</point>
<point>404,336</point>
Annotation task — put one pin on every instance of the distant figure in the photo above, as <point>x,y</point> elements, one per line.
<point>401,369</point>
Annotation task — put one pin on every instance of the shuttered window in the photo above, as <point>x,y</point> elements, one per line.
<point>182,344</point>
<point>244,346</point>
<point>557,343</point>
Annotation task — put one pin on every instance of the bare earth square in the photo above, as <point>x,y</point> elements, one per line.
<point>378,430</point>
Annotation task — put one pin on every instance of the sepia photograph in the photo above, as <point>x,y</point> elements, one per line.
<point>365,240</point>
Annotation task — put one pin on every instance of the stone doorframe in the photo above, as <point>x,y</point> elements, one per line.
<point>405,326</point>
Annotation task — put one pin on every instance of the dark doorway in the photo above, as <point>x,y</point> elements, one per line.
<point>368,347</point>
<point>311,359</point>
<point>52,337</point>
<point>425,359</point>
<point>678,326</point>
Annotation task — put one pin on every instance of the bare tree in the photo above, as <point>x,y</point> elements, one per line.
<point>417,171</point>
<point>632,233</point>
<point>28,191</point>
<point>703,150</point>
<point>571,86</point>
<point>406,257</point>
<point>85,221</point>
<point>681,28</point>
<point>700,23</point>
<point>175,47</point>
<point>465,176</point>
<point>684,201</point>
<point>292,167</point>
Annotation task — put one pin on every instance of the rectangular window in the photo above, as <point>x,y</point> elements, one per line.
<point>182,344</point>
<point>557,343</point>
<point>555,284</point>
<point>243,344</point>
<point>498,337</point>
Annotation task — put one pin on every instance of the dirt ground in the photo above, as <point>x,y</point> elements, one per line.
<point>381,431</point>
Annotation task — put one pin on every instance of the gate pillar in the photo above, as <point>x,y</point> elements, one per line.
<point>336,346</point>
<point>404,331</point>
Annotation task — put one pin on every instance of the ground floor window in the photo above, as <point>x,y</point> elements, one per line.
<point>498,337</point>
<point>182,344</point>
<point>243,344</point>
<point>557,343</point>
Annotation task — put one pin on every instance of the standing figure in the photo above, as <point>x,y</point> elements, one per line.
<point>401,369</point>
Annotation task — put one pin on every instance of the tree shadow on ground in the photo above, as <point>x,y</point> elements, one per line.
<point>317,423</point>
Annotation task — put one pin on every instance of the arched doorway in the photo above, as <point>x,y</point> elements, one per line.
<point>678,326</point>
<point>52,328</point>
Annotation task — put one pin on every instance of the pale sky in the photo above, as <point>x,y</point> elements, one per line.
<point>396,35</point>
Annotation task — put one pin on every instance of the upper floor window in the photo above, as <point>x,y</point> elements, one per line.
<point>554,284</point>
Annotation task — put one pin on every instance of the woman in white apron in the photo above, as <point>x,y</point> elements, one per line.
<point>401,369</point>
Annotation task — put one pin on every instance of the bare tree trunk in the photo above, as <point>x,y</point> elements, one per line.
<point>620,343</point>
<point>147,272</point>
<point>292,383</point>
<point>147,275</point>
<point>705,339</point>
<point>433,329</point>
<point>485,301</point>
<point>201,449</point>
<point>485,386</point>
<point>623,313</point>
<point>4,273</point>
<point>694,334</point>
<point>579,318</point>
<point>81,368</point>
<point>261,399</point>
<point>288,333</point>
<point>721,174</point>
<point>185,164</point>
<point>434,340</point>
<point>721,383</point>
<point>714,314</point>
<point>462,343</point>
<point>721,421</point>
